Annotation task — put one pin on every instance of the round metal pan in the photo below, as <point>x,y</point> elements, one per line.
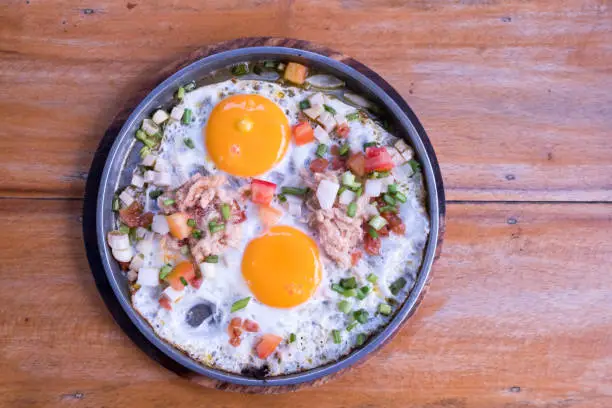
<point>116,153</point>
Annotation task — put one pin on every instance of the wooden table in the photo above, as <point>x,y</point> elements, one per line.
<point>517,99</point>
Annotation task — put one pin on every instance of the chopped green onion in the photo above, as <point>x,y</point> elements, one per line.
<point>372,232</point>
<point>348,283</point>
<point>169,201</point>
<point>350,292</point>
<point>124,229</point>
<point>185,250</point>
<point>270,64</point>
<point>352,116</point>
<point>240,304</point>
<point>355,187</point>
<point>116,204</point>
<point>384,309</point>
<point>190,86</point>
<point>359,191</point>
<point>351,326</point>
<point>292,338</point>
<point>164,271</point>
<point>142,136</point>
<point>361,338</point>
<point>369,144</point>
<point>363,292</point>
<point>305,104</point>
<point>383,174</point>
<point>372,278</point>
<point>361,315</point>
<point>132,235</point>
<point>196,233</point>
<point>321,150</point>
<point>388,208</point>
<point>180,93</point>
<point>189,143</point>
<point>398,285</point>
<point>183,281</point>
<point>414,165</point>
<point>144,151</point>
<point>214,227</point>
<point>389,199</point>
<point>282,198</point>
<point>401,197</point>
<point>186,119</point>
<point>296,191</point>
<point>337,288</point>
<point>192,223</point>
<point>348,178</point>
<point>156,193</point>
<point>342,189</point>
<point>225,211</point>
<point>329,109</point>
<point>344,149</point>
<point>392,188</point>
<point>351,210</point>
<point>240,69</point>
<point>377,222</point>
<point>337,337</point>
<point>344,306</point>
<point>212,259</point>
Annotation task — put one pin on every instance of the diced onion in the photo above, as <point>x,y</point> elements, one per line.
<point>340,120</point>
<point>357,100</point>
<point>141,232</point>
<point>177,112</point>
<point>137,262</point>
<point>161,165</point>
<point>324,81</point>
<point>123,255</point>
<point>126,198</point>
<point>314,111</point>
<point>326,193</point>
<point>401,145</point>
<point>160,225</point>
<point>149,160</point>
<point>327,120</point>
<point>160,116</point>
<point>162,179</point>
<point>148,277</point>
<point>118,240</point>
<point>371,210</point>
<point>208,270</point>
<point>321,135</point>
<point>316,99</point>
<point>173,295</point>
<point>346,197</point>
<point>145,246</point>
<point>149,176</point>
<point>150,127</point>
<point>373,187</point>
<point>137,181</point>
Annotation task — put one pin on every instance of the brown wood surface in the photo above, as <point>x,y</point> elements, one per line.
<point>517,99</point>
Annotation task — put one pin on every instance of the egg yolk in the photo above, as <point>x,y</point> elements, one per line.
<point>247,135</point>
<point>282,267</point>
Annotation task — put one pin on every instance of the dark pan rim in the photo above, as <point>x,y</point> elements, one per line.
<point>142,334</point>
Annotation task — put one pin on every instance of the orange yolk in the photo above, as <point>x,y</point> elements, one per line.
<point>247,135</point>
<point>282,267</point>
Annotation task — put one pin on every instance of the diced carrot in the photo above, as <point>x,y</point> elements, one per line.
<point>177,223</point>
<point>183,270</point>
<point>164,301</point>
<point>235,341</point>
<point>269,216</point>
<point>303,133</point>
<point>356,163</point>
<point>296,73</point>
<point>355,257</point>
<point>250,326</point>
<point>267,344</point>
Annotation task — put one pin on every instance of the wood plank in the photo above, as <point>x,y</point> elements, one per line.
<point>514,95</point>
<point>517,315</point>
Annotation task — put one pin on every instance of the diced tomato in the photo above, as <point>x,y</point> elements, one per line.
<point>318,165</point>
<point>384,231</point>
<point>337,164</point>
<point>303,133</point>
<point>343,130</point>
<point>371,245</point>
<point>396,224</point>
<point>296,73</point>
<point>267,344</point>
<point>262,192</point>
<point>378,159</point>
<point>235,341</point>
<point>355,257</point>
<point>250,326</point>
<point>196,282</point>
<point>269,216</point>
<point>177,223</point>
<point>131,215</point>
<point>238,215</point>
<point>164,301</point>
<point>356,163</point>
<point>183,270</point>
<point>234,330</point>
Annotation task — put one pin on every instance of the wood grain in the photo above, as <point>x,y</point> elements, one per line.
<point>514,95</point>
<point>517,316</point>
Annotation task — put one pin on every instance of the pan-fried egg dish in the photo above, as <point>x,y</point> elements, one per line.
<point>274,223</point>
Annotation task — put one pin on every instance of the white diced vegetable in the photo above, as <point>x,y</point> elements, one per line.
<point>327,120</point>
<point>149,160</point>
<point>177,112</point>
<point>138,180</point>
<point>314,111</point>
<point>281,66</point>
<point>295,209</point>
<point>348,178</point>
<point>326,193</point>
<point>173,295</point>
<point>118,240</point>
<point>126,198</point>
<point>123,255</point>
<point>401,145</point>
<point>145,246</point>
<point>141,232</point>
<point>161,165</point>
<point>386,181</point>
<point>346,197</point>
<point>321,135</point>
<point>373,187</point>
<point>371,210</point>
<point>208,270</point>
<point>160,224</point>
<point>396,156</point>
<point>149,176</point>
<point>340,120</point>
<point>160,116</point>
<point>137,262</point>
<point>316,99</point>
<point>377,222</point>
<point>148,277</point>
<point>162,179</point>
<point>150,127</point>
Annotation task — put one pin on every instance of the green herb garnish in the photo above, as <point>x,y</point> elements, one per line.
<point>192,223</point>
<point>189,143</point>
<point>240,304</point>
<point>329,109</point>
